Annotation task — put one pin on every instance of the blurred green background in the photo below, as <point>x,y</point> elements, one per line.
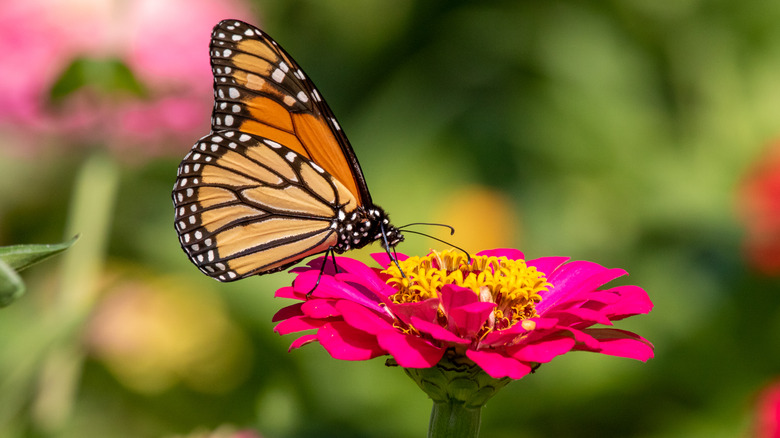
<point>621,132</point>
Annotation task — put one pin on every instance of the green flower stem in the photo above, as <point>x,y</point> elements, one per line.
<point>453,419</point>
<point>91,211</point>
<point>459,389</point>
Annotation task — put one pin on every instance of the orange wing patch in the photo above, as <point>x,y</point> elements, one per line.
<point>262,91</point>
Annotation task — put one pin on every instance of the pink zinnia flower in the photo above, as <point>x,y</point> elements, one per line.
<point>502,312</point>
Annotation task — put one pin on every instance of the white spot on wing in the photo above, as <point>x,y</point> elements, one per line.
<point>278,76</point>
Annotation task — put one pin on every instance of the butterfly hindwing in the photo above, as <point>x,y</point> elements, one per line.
<point>248,205</point>
<point>259,89</point>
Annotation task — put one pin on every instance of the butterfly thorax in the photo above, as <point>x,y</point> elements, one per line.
<point>363,226</point>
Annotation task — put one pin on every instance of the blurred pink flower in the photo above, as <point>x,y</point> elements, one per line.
<point>502,312</point>
<point>768,412</point>
<point>759,205</point>
<point>164,43</point>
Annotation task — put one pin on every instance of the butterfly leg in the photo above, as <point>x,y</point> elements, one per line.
<point>332,254</point>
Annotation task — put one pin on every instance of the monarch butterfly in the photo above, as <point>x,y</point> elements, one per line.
<point>276,180</point>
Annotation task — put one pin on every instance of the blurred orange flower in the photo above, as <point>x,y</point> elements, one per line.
<point>482,218</point>
<point>155,334</point>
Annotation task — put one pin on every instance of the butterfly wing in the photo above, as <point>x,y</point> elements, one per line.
<point>248,205</point>
<point>259,89</point>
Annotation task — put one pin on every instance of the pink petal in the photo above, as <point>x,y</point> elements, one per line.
<point>287,292</point>
<point>425,310</point>
<point>347,343</point>
<point>320,309</point>
<point>367,278</point>
<point>547,265</point>
<point>294,325</point>
<point>315,265</point>
<point>455,296</point>
<point>384,260</point>
<point>410,351</point>
<point>497,365</point>
<point>633,301</point>
<point>364,319</point>
<point>579,316</point>
<point>621,343</point>
<point>288,312</point>
<point>329,287</point>
<point>466,321</point>
<point>501,337</point>
<point>509,253</point>
<point>437,332</point>
<point>572,280</point>
<point>543,351</point>
<point>300,342</point>
<point>583,339</point>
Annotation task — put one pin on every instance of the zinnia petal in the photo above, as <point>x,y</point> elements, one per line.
<point>621,343</point>
<point>510,253</point>
<point>498,365</point>
<point>344,342</point>
<point>363,318</point>
<point>410,351</point>
<point>543,351</point>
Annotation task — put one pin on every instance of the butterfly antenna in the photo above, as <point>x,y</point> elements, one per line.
<point>322,269</point>
<point>468,256</point>
<point>431,224</point>
<point>392,256</point>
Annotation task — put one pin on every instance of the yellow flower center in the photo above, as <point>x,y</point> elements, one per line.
<point>511,284</point>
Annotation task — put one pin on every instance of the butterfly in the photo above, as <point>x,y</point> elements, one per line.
<point>276,180</point>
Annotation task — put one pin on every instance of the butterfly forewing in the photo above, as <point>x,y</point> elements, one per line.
<point>259,89</point>
<point>248,205</point>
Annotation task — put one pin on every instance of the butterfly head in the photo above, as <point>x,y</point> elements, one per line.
<point>366,225</point>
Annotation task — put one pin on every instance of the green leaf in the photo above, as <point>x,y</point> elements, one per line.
<point>17,257</point>
<point>106,76</point>
<point>11,285</point>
